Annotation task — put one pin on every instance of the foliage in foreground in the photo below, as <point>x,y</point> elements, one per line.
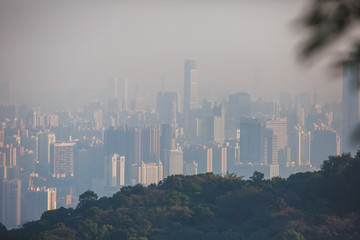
<point>319,205</point>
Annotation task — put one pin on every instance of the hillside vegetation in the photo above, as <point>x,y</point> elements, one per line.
<point>313,205</point>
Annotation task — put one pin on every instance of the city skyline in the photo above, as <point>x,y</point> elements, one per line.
<point>102,97</point>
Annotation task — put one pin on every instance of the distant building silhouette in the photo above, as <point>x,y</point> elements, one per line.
<point>191,98</point>
<point>36,201</point>
<point>251,140</point>
<point>239,106</point>
<point>10,211</point>
<point>324,143</point>
<point>174,162</point>
<point>350,101</point>
<point>167,107</point>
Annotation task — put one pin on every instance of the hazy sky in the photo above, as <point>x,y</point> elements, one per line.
<point>65,50</point>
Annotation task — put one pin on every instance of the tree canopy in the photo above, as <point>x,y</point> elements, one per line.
<point>313,205</point>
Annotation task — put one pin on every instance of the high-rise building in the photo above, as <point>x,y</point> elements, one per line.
<point>251,140</point>
<point>350,101</point>
<point>166,140</point>
<point>119,86</point>
<point>279,128</point>
<point>147,173</point>
<point>174,162</point>
<point>10,205</point>
<point>36,201</point>
<point>219,163</point>
<point>167,107</point>
<point>134,145</point>
<point>270,147</point>
<point>190,168</point>
<point>150,144</point>
<point>324,143</point>
<point>44,142</point>
<point>115,171</point>
<point>300,145</point>
<point>9,153</point>
<point>233,155</point>
<point>239,106</point>
<point>191,83</point>
<point>216,125</point>
<point>62,159</point>
<point>201,155</point>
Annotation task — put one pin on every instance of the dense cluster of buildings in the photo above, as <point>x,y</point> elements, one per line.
<point>48,159</point>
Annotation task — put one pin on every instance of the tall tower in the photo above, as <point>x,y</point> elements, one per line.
<point>10,206</point>
<point>115,170</point>
<point>350,101</point>
<point>62,159</point>
<point>191,83</point>
<point>251,140</point>
<point>44,142</point>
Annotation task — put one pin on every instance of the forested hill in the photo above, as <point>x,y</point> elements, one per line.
<point>320,205</point>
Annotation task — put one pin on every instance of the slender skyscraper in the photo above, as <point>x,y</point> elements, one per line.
<point>350,101</point>
<point>191,83</point>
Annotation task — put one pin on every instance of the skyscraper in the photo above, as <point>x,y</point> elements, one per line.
<point>62,159</point>
<point>174,162</point>
<point>215,126</point>
<point>150,144</point>
<point>167,103</point>
<point>251,140</point>
<point>115,171</point>
<point>191,83</point>
<point>10,206</point>
<point>36,202</point>
<point>44,142</point>
<point>350,101</point>
<point>324,143</point>
<point>239,106</point>
<point>118,89</point>
<point>220,160</point>
<point>147,173</point>
<point>279,128</point>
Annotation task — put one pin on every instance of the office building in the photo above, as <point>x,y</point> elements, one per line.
<point>174,162</point>
<point>215,126</point>
<point>350,102</point>
<point>115,171</point>
<point>300,145</point>
<point>167,107</point>
<point>239,106</point>
<point>279,129</point>
<point>270,147</point>
<point>44,142</point>
<point>62,159</point>
<point>10,211</point>
<point>119,87</point>
<point>36,201</point>
<point>190,168</point>
<point>324,143</point>
<point>251,140</point>
<point>201,155</point>
<point>9,154</point>
<point>191,83</point>
<point>147,173</point>
<point>150,144</point>
<point>219,162</point>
